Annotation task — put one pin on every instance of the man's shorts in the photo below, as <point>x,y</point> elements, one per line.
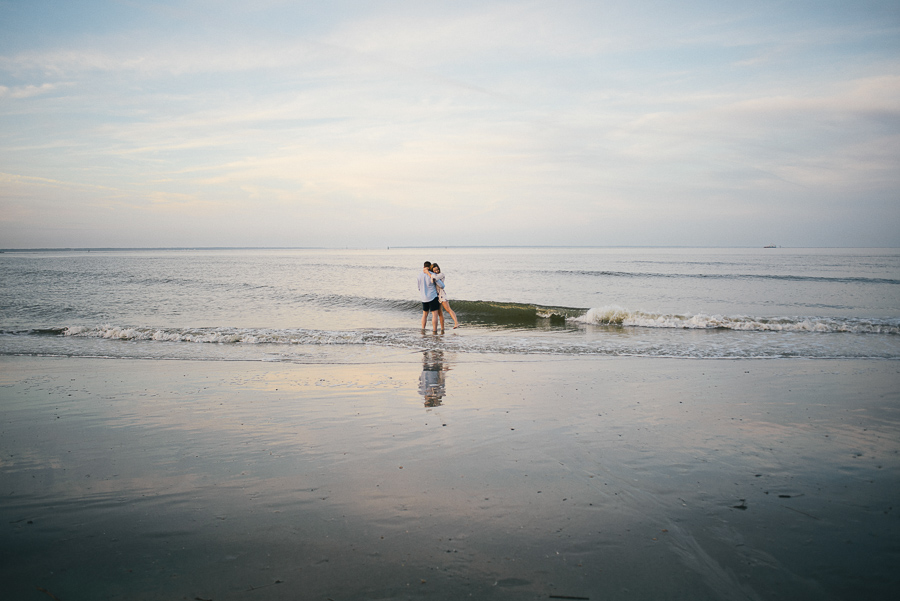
<point>432,305</point>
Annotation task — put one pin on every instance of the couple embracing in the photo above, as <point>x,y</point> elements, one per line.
<point>431,289</point>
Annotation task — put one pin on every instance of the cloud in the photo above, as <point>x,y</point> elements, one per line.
<point>435,36</point>
<point>150,58</point>
<point>26,91</point>
<point>500,113</point>
<point>854,112</point>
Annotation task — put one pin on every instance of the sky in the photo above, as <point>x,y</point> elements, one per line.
<point>364,124</point>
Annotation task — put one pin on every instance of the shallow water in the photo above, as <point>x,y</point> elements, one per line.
<point>287,305</point>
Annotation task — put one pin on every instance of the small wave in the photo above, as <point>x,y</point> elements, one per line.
<point>481,312</point>
<point>641,334</point>
<point>736,276</point>
<point>618,316</point>
<point>490,314</point>
<point>513,314</point>
<point>494,314</point>
<point>214,335</point>
<point>300,345</point>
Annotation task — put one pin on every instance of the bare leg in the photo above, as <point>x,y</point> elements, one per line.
<point>434,322</point>
<point>452,314</point>
<point>441,315</point>
<point>424,319</point>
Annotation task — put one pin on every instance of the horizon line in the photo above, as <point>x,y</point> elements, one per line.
<point>157,248</point>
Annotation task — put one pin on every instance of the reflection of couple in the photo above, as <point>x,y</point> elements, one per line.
<point>432,384</point>
<point>431,289</point>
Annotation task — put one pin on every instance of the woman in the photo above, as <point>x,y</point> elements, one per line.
<point>442,295</point>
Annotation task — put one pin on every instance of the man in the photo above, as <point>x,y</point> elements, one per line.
<point>429,295</point>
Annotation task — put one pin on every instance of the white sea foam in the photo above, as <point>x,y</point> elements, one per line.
<point>222,335</point>
<point>619,316</point>
<point>224,343</point>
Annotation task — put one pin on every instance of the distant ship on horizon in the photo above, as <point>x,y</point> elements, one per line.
<point>770,246</point>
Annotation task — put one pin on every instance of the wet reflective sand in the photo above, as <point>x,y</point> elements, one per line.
<point>442,476</point>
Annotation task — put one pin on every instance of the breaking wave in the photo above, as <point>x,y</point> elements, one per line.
<point>486,314</point>
<point>702,338</point>
<point>618,316</point>
<point>490,327</point>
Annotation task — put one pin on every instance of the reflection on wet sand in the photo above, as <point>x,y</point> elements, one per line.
<point>544,478</point>
<point>432,382</point>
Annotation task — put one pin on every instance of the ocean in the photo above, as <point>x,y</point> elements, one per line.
<point>293,305</point>
<point>606,423</point>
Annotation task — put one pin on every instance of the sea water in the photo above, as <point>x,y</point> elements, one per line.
<point>295,304</point>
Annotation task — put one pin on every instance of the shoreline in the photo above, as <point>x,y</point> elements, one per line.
<point>440,475</point>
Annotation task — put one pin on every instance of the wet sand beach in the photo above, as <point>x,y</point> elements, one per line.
<point>385,474</point>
